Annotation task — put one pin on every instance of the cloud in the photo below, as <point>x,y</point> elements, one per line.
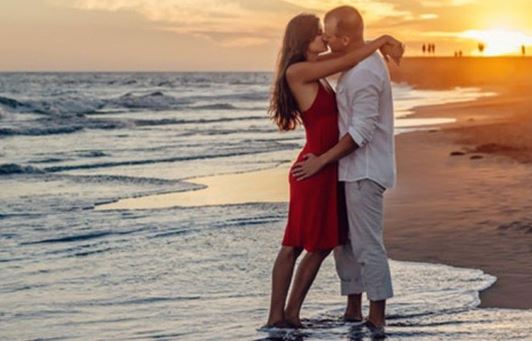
<point>447,3</point>
<point>233,22</point>
<point>227,23</point>
<point>428,16</point>
<point>373,10</point>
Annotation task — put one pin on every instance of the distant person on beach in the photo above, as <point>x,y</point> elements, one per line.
<point>424,48</point>
<point>523,50</point>
<point>366,167</point>
<point>316,213</point>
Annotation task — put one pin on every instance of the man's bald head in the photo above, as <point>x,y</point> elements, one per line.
<point>347,21</point>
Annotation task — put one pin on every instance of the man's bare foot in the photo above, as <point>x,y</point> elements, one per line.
<point>375,322</point>
<point>377,331</point>
<point>352,318</point>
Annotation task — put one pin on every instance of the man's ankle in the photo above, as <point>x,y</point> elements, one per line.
<point>377,322</point>
<point>377,314</point>
<point>353,314</point>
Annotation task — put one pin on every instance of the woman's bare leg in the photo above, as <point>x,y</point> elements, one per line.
<point>281,278</point>
<point>306,273</point>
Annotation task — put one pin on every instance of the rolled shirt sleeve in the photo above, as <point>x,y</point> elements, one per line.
<point>364,103</point>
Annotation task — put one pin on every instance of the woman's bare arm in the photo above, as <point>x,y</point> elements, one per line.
<point>329,55</point>
<point>306,72</point>
<point>388,51</point>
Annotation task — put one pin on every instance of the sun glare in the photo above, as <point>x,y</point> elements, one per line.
<point>498,41</point>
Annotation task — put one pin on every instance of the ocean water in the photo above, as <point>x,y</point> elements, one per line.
<point>73,140</point>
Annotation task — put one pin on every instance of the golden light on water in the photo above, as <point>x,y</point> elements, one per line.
<point>498,41</point>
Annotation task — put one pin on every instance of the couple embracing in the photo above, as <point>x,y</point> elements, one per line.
<point>338,180</point>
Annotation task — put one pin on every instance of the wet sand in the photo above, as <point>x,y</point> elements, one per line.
<point>464,194</point>
<point>250,187</point>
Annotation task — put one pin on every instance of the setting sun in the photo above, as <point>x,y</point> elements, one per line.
<point>498,41</point>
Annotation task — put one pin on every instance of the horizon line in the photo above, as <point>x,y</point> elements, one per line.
<point>240,71</point>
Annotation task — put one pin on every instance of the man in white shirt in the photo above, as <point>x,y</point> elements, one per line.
<point>366,166</point>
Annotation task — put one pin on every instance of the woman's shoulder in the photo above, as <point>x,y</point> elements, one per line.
<point>293,71</point>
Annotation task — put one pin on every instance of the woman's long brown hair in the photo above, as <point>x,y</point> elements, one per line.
<point>300,32</point>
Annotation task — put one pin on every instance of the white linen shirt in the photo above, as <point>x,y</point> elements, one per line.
<point>365,105</point>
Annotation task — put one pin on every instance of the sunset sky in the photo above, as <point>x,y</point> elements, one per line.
<point>194,35</point>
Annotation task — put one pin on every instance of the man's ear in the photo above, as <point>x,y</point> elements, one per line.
<point>346,40</point>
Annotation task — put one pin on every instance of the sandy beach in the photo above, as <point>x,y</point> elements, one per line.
<point>471,210</point>
<point>463,193</point>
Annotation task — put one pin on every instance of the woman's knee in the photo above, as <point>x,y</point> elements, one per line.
<point>319,253</point>
<point>290,252</point>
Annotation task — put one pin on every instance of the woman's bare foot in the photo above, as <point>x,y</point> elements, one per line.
<point>294,322</point>
<point>277,324</point>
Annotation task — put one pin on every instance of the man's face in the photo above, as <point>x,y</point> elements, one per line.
<point>336,43</point>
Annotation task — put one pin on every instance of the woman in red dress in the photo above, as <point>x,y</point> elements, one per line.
<point>316,223</point>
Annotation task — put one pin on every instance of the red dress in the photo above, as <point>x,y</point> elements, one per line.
<point>316,213</point>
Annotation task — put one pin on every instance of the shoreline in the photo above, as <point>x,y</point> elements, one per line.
<point>464,225</point>
<point>406,241</point>
<point>462,197</point>
<point>468,181</point>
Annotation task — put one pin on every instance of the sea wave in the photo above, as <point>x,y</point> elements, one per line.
<point>168,121</point>
<point>11,103</point>
<point>68,125</point>
<point>219,154</point>
<point>57,126</point>
<point>69,105</point>
<point>156,101</point>
<point>13,168</point>
<point>215,106</point>
<point>36,131</point>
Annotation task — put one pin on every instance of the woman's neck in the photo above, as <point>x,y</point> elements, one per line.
<point>312,56</point>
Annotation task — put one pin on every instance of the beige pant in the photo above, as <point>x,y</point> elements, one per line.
<point>362,264</point>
